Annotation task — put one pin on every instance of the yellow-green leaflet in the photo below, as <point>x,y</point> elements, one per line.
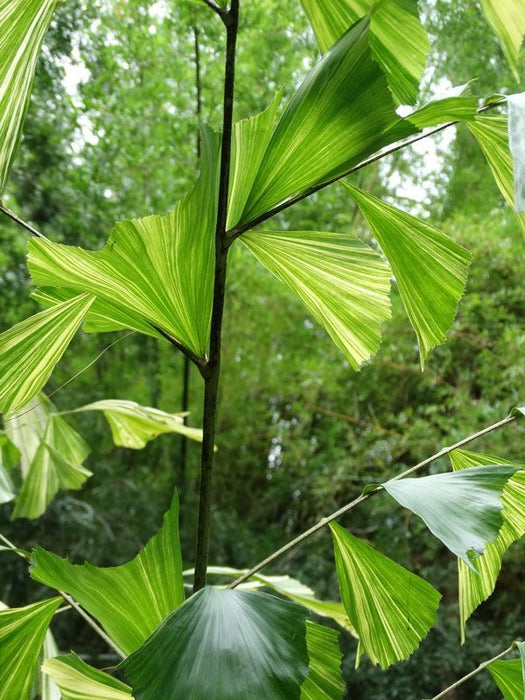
<point>30,350</point>
<point>224,645</point>
<point>429,267</point>
<point>155,272</point>
<point>79,681</point>
<point>44,686</point>
<point>398,41</point>
<point>51,454</point>
<point>133,425</point>
<point>250,141</point>
<point>130,600</point>
<point>22,633</point>
<point>344,284</point>
<point>510,675</point>
<point>337,117</point>
<point>507,18</point>
<point>475,588</point>
<point>324,681</point>
<point>23,24</point>
<point>391,608</point>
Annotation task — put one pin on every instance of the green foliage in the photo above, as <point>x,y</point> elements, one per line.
<point>130,600</point>
<point>22,632</point>
<point>324,680</point>
<point>256,647</point>
<point>79,681</point>
<point>391,609</point>
<point>510,675</point>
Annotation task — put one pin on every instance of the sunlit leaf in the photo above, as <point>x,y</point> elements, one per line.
<point>51,456</point>
<point>30,350</point>
<point>290,588</point>
<point>516,104</point>
<point>391,608</point>
<point>474,588</point>
<point>344,284</point>
<point>22,29</point>
<point>324,680</point>
<point>155,272</point>
<point>250,141</point>
<point>335,119</point>
<point>22,633</point>
<point>129,600</point>
<point>45,687</point>
<point>79,681</point>
<point>492,135</point>
<point>509,676</point>
<point>507,18</point>
<point>429,267</point>
<point>224,645</point>
<point>133,426</point>
<point>7,492</point>
<point>398,41</point>
<point>462,509</point>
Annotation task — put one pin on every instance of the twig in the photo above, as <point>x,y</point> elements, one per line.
<point>211,386</point>
<point>363,497</point>
<point>473,673</point>
<point>198,361</point>
<point>21,222</point>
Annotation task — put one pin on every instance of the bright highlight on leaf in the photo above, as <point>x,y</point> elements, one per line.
<point>474,587</point>
<point>51,456</point>
<point>398,41</point>
<point>344,284</point>
<point>131,600</point>
<point>507,18</point>
<point>516,104</point>
<point>133,426</point>
<point>22,29</point>
<point>429,267</point>
<point>224,645</point>
<point>155,272</point>
<point>509,676</point>
<point>462,509</point>
<point>79,681</point>
<point>30,350</point>
<point>324,680</point>
<point>391,608</point>
<point>337,117</point>
<point>22,633</point>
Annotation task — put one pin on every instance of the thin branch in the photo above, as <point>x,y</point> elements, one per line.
<point>21,222</point>
<point>91,622</point>
<point>73,603</point>
<point>218,10</point>
<point>363,497</point>
<point>236,232</point>
<point>198,361</point>
<point>473,673</point>
<point>211,387</point>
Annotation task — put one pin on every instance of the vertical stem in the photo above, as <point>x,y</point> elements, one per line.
<point>187,364</point>
<point>212,374</point>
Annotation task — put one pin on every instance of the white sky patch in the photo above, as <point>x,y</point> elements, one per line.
<point>159,10</point>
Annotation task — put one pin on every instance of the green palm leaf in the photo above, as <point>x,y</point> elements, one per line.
<point>391,608</point>
<point>22,29</point>
<point>462,509</point>
<point>133,426</point>
<point>324,680</point>
<point>429,267</point>
<point>335,119</point>
<point>79,681</point>
<point>130,600</point>
<point>50,453</point>
<point>225,645</point>
<point>30,350</point>
<point>154,273</point>
<point>474,588</point>
<point>507,18</point>
<point>343,283</point>
<point>22,633</point>
<point>398,41</point>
